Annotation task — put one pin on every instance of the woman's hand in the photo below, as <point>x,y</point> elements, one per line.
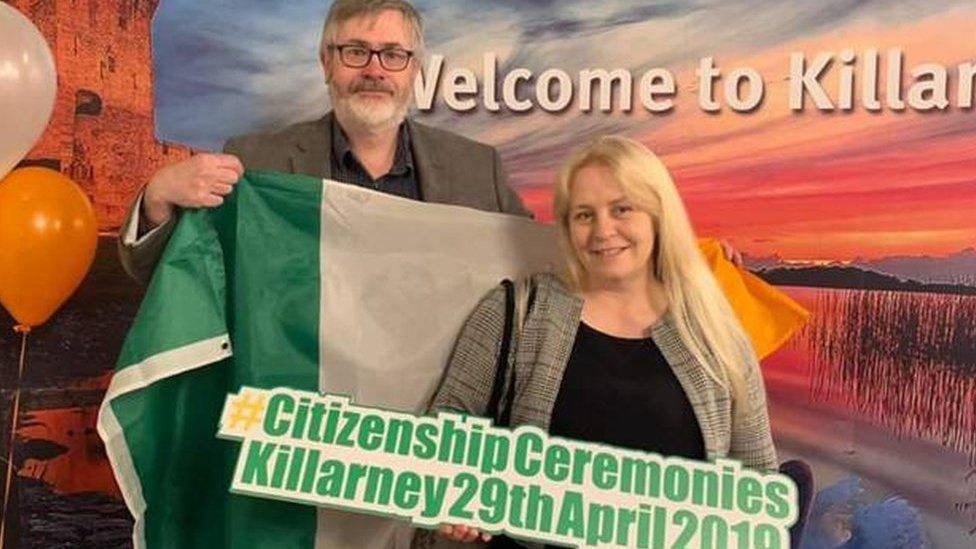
<point>462,533</point>
<point>730,253</point>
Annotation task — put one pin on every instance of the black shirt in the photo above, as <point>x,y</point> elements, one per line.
<point>622,392</point>
<point>401,179</point>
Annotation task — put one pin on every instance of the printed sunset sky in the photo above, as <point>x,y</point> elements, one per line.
<point>805,185</point>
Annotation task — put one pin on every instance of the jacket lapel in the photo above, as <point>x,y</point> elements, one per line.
<point>427,160</point>
<point>693,379</point>
<point>541,364</point>
<point>312,153</point>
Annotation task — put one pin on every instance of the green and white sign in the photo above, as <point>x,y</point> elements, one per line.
<point>323,450</point>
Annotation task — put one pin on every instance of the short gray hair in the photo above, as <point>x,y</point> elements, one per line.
<point>344,10</point>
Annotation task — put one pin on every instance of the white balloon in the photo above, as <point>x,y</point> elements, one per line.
<point>28,84</point>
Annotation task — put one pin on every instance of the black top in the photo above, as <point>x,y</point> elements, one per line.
<point>622,392</point>
<point>400,181</point>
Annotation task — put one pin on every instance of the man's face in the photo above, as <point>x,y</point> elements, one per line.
<point>371,97</point>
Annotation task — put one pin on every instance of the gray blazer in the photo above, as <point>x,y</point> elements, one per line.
<point>542,352</point>
<point>451,170</point>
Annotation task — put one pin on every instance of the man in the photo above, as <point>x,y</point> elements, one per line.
<point>371,52</point>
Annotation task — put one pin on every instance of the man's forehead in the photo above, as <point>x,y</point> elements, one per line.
<point>386,28</point>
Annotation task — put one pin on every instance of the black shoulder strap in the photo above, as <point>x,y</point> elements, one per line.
<point>501,367</point>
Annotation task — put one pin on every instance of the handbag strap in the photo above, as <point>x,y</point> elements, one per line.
<point>516,307</point>
<point>501,366</point>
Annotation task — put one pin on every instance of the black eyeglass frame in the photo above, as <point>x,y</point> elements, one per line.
<point>378,53</point>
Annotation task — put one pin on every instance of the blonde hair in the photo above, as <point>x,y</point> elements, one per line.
<point>704,319</point>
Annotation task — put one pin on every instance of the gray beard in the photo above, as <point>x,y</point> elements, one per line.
<point>361,118</point>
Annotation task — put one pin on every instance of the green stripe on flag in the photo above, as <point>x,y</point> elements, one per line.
<point>162,408</point>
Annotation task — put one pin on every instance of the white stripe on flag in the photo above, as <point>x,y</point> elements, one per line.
<point>397,279</point>
<point>135,377</point>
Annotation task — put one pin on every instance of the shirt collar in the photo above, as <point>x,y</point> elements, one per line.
<point>402,158</point>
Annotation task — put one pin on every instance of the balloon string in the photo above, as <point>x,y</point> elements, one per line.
<point>8,482</point>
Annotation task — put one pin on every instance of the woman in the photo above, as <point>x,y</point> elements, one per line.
<point>635,345</point>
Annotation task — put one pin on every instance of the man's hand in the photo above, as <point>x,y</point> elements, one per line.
<point>458,532</point>
<point>201,181</point>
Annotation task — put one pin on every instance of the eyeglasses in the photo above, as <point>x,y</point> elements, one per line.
<point>355,56</point>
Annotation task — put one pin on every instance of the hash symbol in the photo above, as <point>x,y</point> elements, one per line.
<point>246,410</point>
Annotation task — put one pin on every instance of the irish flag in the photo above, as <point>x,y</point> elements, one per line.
<point>302,283</point>
<point>314,285</point>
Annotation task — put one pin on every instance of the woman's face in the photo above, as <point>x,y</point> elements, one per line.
<point>612,239</point>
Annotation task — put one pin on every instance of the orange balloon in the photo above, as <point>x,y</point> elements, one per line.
<point>48,235</point>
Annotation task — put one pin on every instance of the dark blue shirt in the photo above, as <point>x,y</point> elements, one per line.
<point>401,179</point>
